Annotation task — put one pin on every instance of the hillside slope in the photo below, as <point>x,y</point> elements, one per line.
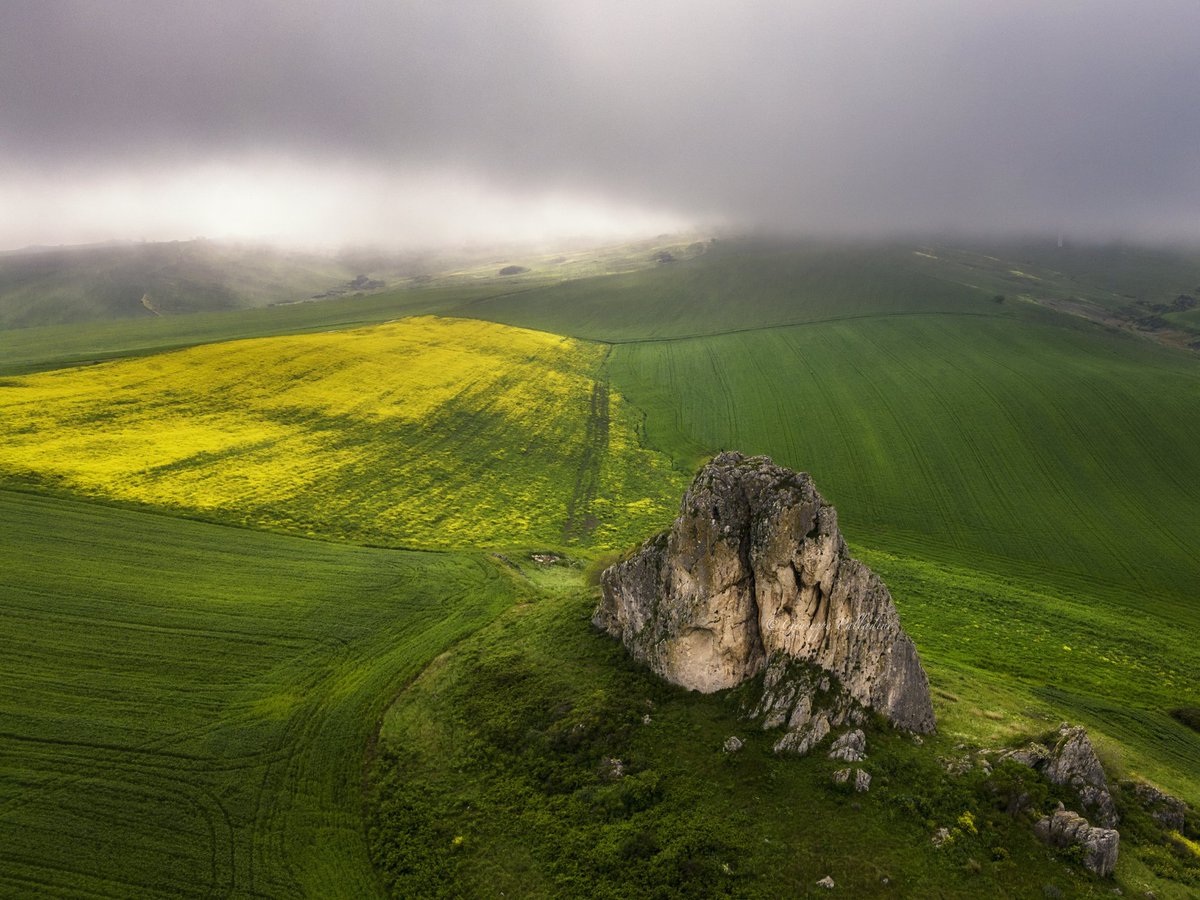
<point>988,442</point>
<point>106,281</point>
<point>186,706</point>
<point>426,432</point>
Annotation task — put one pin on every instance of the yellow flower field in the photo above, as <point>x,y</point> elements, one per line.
<point>425,432</point>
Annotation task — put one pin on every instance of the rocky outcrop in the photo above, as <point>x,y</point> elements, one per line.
<point>862,779</point>
<point>803,699</point>
<point>850,747</point>
<point>754,578</point>
<point>1072,762</point>
<point>1065,829</point>
<point>1169,812</point>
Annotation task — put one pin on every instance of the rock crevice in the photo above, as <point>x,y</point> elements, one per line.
<point>752,575</point>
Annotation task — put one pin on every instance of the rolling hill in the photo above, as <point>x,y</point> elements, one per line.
<point>56,285</point>
<point>187,707</point>
<point>1017,473</point>
<point>427,432</point>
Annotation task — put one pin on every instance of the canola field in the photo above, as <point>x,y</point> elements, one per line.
<point>425,432</point>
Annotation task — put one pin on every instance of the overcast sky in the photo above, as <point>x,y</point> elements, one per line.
<point>460,120</point>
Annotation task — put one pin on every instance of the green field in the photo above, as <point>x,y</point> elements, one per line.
<point>1021,478</point>
<point>735,286</point>
<point>1006,445</point>
<point>27,350</point>
<point>187,707</point>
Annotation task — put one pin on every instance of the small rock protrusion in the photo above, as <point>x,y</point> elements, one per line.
<point>1072,762</point>
<point>801,740</point>
<point>1169,812</point>
<point>862,781</point>
<point>1069,829</point>
<point>850,747</point>
<point>826,882</point>
<point>646,720</point>
<point>733,744</point>
<point>611,769</point>
<point>941,837</point>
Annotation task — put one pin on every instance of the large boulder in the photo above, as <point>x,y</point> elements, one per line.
<point>754,575</point>
<point>1065,829</point>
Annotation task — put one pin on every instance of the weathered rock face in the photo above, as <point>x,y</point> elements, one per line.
<point>1073,762</point>
<point>850,747</point>
<point>1065,829</point>
<point>755,573</point>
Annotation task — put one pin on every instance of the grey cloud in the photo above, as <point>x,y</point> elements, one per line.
<point>845,116</point>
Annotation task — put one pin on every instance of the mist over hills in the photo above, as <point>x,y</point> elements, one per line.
<point>306,521</point>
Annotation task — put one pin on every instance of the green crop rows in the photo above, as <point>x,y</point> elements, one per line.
<point>186,707</point>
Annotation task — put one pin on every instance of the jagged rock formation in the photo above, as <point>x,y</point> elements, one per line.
<point>1073,762</point>
<point>1066,829</point>
<point>804,699</point>
<point>754,577</point>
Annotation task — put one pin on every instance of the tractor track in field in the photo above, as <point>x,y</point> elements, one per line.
<point>581,521</point>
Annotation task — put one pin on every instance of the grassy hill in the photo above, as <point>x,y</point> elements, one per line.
<point>489,784</point>
<point>996,443</point>
<point>1018,475</point>
<point>186,707</point>
<point>126,281</point>
<point>92,283</point>
<point>427,432</point>
<point>734,286</point>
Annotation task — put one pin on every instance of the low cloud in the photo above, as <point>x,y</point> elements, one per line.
<point>314,206</point>
<point>535,116</point>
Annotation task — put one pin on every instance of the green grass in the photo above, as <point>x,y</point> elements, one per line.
<point>739,285</point>
<point>1021,479</point>
<point>72,305</point>
<point>1044,467</point>
<point>491,782</point>
<point>1060,453</point>
<point>1008,657</point>
<point>56,346</point>
<point>93,283</point>
<point>186,707</point>
<point>1112,275</point>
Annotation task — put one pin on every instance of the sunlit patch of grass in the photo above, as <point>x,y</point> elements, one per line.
<point>426,431</point>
